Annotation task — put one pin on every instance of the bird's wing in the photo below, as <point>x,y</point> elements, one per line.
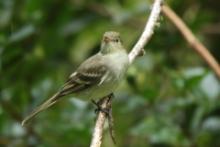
<point>91,72</point>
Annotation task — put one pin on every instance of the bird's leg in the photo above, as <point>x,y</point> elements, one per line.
<point>98,106</point>
<point>99,103</point>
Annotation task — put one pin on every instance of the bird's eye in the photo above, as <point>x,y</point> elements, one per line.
<point>117,40</point>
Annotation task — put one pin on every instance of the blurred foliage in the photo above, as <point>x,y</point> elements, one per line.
<point>169,98</point>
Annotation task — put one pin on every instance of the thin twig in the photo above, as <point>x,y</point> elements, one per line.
<point>135,52</point>
<point>191,39</point>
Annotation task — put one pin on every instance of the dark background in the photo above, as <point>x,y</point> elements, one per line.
<point>170,97</point>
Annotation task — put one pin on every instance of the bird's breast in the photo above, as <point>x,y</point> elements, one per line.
<point>119,64</point>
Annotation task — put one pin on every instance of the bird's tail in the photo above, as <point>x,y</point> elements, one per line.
<point>42,107</point>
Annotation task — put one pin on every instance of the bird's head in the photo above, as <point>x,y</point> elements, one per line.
<point>111,43</point>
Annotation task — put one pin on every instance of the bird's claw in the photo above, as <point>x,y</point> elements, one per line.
<point>99,109</point>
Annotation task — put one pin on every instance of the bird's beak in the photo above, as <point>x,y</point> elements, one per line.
<point>106,39</point>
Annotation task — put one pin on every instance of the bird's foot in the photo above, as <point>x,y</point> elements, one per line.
<point>99,103</point>
<point>99,108</point>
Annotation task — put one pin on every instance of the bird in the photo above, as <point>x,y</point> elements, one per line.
<point>97,77</point>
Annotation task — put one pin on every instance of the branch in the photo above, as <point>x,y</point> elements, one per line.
<point>192,40</point>
<point>148,31</point>
<point>135,52</point>
<point>100,121</point>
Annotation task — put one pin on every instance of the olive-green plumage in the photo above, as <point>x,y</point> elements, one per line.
<point>96,77</point>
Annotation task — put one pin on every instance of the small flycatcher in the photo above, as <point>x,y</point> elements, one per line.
<point>96,77</point>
